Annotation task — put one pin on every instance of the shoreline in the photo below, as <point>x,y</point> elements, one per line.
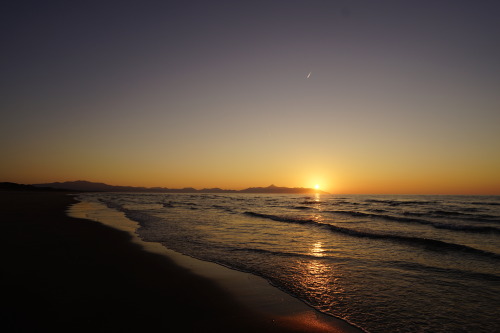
<point>252,290</point>
<point>76,274</point>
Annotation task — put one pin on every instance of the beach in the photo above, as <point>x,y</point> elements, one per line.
<point>64,273</point>
<point>386,263</point>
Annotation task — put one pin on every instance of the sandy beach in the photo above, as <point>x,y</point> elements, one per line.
<point>64,273</point>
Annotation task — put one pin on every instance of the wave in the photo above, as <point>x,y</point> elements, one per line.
<point>223,208</point>
<point>447,213</point>
<point>112,205</point>
<point>415,241</point>
<point>458,215</point>
<point>280,218</point>
<point>467,228</point>
<point>479,217</point>
<point>486,203</point>
<point>286,254</point>
<point>459,273</point>
<point>412,213</point>
<point>350,213</point>
<point>171,204</point>
<point>471,209</point>
<point>301,207</point>
<point>378,210</point>
<point>437,225</point>
<point>400,202</point>
<point>344,202</point>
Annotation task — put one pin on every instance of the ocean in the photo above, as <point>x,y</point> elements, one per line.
<point>384,263</point>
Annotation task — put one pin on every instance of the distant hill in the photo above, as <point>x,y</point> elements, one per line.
<point>277,189</point>
<point>7,186</point>
<point>82,185</point>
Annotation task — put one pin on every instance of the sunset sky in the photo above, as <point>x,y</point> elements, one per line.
<point>403,96</point>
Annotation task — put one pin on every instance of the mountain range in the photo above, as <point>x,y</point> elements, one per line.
<point>82,185</point>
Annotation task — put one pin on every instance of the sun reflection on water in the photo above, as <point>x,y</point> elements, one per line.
<point>317,249</point>
<point>319,279</point>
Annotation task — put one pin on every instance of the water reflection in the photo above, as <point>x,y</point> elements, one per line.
<point>317,273</point>
<point>317,249</point>
<point>319,278</point>
<point>316,217</point>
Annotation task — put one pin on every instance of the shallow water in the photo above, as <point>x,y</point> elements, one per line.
<point>384,263</point>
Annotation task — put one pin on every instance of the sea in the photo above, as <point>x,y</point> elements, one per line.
<point>385,263</point>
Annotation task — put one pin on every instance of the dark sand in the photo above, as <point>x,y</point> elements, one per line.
<point>63,273</point>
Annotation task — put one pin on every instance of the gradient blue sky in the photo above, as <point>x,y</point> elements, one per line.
<point>403,95</point>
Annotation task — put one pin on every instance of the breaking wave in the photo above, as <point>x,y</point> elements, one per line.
<point>437,225</point>
<point>415,241</point>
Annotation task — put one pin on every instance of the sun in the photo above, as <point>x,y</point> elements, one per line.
<point>316,186</point>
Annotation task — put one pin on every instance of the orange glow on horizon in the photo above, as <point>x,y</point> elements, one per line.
<point>347,179</point>
<point>377,118</point>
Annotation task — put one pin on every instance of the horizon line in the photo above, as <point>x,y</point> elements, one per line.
<point>318,191</point>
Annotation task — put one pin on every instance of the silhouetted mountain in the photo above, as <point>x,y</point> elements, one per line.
<point>7,186</point>
<point>216,190</point>
<point>82,185</point>
<point>276,189</point>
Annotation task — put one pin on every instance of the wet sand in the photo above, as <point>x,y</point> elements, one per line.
<point>65,273</point>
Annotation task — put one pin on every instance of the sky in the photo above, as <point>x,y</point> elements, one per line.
<point>402,96</point>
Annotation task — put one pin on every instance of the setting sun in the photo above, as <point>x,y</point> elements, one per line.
<point>316,186</point>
